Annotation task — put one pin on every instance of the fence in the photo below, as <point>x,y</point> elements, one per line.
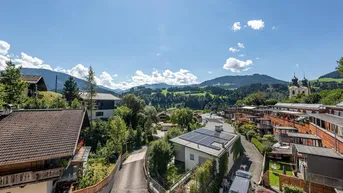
<point>106,184</point>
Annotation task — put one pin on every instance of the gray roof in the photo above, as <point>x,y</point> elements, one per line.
<point>100,96</point>
<point>318,151</point>
<point>240,184</point>
<point>300,106</point>
<point>286,128</point>
<point>226,127</point>
<point>209,116</point>
<point>303,135</point>
<point>329,118</point>
<point>201,140</point>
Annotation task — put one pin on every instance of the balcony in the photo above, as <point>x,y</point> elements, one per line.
<point>263,126</point>
<point>27,177</point>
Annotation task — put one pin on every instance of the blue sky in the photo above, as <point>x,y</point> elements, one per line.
<point>174,41</point>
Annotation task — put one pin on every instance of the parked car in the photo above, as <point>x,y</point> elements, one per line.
<point>241,182</point>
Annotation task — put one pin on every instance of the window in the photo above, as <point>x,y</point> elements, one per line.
<point>191,156</point>
<point>98,114</point>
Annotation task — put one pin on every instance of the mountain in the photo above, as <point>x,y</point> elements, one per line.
<point>50,78</point>
<point>334,74</point>
<point>238,81</point>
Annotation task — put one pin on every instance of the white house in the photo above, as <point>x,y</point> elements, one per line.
<point>195,147</point>
<point>105,104</point>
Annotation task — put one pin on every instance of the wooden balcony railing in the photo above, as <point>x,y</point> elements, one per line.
<point>26,177</point>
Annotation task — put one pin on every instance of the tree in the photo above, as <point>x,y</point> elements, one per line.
<point>250,134</point>
<point>172,132</point>
<point>182,117</point>
<point>96,135</point>
<point>13,85</point>
<point>117,133</point>
<point>75,104</point>
<point>59,103</point>
<point>91,90</point>
<point>312,98</point>
<point>203,176</point>
<point>135,104</point>
<point>160,154</point>
<point>70,90</point>
<point>123,112</point>
<point>339,68</point>
<point>2,95</point>
<point>171,174</point>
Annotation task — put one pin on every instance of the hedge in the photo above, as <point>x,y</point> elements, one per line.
<point>258,145</point>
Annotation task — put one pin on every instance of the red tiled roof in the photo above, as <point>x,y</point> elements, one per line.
<point>39,135</point>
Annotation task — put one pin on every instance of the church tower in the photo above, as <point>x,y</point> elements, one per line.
<point>295,88</point>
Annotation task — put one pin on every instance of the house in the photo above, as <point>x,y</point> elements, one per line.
<point>35,84</point>
<point>166,126</point>
<point>37,148</point>
<point>207,116</point>
<point>319,166</point>
<point>264,126</point>
<point>195,147</point>
<point>164,116</point>
<point>105,103</point>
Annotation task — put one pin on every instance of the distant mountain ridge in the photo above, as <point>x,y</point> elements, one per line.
<point>241,80</point>
<point>230,82</point>
<point>50,79</point>
<point>334,74</point>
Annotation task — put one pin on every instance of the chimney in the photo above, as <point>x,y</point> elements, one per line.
<point>218,128</point>
<point>7,109</point>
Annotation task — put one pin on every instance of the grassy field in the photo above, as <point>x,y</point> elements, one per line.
<point>340,80</point>
<point>274,173</point>
<point>165,91</point>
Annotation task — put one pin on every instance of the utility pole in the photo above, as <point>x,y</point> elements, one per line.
<point>56,84</point>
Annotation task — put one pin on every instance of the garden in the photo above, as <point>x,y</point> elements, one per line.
<point>277,167</point>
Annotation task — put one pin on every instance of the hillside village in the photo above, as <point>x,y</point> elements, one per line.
<point>267,139</point>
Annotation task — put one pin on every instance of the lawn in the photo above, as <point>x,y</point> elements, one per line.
<point>340,80</point>
<point>274,173</point>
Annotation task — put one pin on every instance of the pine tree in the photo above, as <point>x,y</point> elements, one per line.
<point>13,84</point>
<point>70,90</point>
<point>91,90</point>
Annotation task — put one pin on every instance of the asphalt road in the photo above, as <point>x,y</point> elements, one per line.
<point>253,159</point>
<point>131,178</point>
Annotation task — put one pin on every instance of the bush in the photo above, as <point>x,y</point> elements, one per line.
<point>292,189</point>
<point>251,134</point>
<point>258,145</point>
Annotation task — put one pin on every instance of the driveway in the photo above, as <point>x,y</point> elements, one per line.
<point>253,159</point>
<point>130,178</point>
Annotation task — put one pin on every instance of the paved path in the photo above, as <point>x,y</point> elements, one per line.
<point>131,178</point>
<point>253,159</point>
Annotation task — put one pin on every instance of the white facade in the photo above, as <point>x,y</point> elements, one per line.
<point>295,90</point>
<point>101,114</point>
<point>199,157</point>
<point>42,187</point>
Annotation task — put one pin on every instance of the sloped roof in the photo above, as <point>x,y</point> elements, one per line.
<point>318,151</point>
<point>100,96</point>
<point>300,106</point>
<point>33,135</point>
<point>32,79</point>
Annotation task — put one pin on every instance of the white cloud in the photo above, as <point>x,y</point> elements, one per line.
<point>181,77</point>
<point>297,65</point>
<point>241,55</point>
<point>4,47</point>
<point>236,26</point>
<point>158,54</point>
<point>210,72</point>
<point>241,45</point>
<point>256,24</point>
<point>233,50</point>
<point>257,58</point>
<point>274,28</point>
<point>236,65</point>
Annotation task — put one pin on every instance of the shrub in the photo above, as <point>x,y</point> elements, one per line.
<point>258,145</point>
<point>251,134</point>
<point>292,189</point>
